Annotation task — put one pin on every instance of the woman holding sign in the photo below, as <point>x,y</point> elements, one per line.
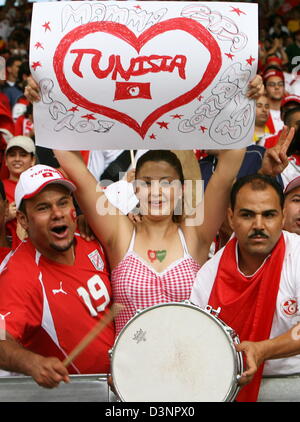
<point>155,260</point>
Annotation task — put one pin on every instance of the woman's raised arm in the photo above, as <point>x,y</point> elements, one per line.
<point>105,220</point>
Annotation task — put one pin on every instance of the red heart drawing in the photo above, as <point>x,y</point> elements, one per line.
<point>118,30</point>
<point>151,255</point>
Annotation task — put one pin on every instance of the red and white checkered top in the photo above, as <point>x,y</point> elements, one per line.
<point>137,285</point>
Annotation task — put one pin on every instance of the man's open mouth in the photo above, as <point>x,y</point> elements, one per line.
<point>60,231</point>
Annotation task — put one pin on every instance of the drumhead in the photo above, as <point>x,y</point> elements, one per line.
<point>174,353</point>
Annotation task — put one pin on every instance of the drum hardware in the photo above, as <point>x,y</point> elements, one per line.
<point>229,330</point>
<point>212,311</point>
<point>209,309</point>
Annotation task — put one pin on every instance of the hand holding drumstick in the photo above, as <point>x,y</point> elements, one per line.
<point>48,372</point>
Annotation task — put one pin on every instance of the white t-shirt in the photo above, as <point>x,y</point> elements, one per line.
<point>291,171</point>
<point>278,123</point>
<point>99,160</point>
<point>286,314</point>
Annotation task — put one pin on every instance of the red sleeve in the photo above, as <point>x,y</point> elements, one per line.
<point>21,300</point>
<point>3,252</point>
<point>272,141</point>
<point>9,187</point>
<point>19,126</point>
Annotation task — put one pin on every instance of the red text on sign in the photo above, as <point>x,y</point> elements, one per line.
<point>138,65</point>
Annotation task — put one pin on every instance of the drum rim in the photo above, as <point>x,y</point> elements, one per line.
<point>237,356</point>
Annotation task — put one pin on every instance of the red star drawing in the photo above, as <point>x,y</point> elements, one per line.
<point>230,56</point>
<point>177,116</point>
<point>38,45</point>
<point>137,7</point>
<point>152,136</point>
<point>250,60</point>
<point>238,11</point>
<point>163,125</point>
<point>35,65</point>
<point>200,97</point>
<point>46,26</point>
<point>203,128</point>
<point>75,108</point>
<point>89,117</point>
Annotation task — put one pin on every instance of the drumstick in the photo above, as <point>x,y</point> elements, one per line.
<point>104,321</point>
<point>132,158</point>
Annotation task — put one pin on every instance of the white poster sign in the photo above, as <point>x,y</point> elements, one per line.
<point>144,75</point>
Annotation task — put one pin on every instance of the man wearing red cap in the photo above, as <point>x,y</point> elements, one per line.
<point>274,84</point>
<point>56,286</point>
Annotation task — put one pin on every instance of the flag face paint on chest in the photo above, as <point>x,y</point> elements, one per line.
<point>156,255</point>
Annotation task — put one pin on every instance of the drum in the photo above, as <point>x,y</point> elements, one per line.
<point>176,352</point>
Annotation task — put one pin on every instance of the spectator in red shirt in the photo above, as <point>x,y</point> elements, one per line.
<point>19,156</point>
<point>274,83</point>
<point>56,287</point>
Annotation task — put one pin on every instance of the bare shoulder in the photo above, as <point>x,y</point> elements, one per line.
<point>119,244</point>
<point>197,244</point>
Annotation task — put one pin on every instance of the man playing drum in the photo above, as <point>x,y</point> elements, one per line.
<point>55,286</point>
<point>254,279</point>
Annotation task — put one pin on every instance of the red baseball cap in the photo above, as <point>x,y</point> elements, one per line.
<point>36,178</point>
<point>290,99</point>
<point>272,72</point>
<point>275,59</point>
